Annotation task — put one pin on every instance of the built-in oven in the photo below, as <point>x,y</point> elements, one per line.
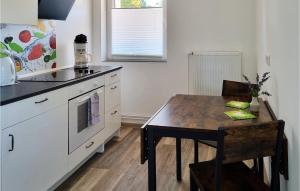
<point>86,117</point>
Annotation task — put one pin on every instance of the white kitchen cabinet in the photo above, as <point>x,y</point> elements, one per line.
<point>112,102</point>
<point>19,12</point>
<point>35,151</point>
<point>113,120</point>
<point>112,77</point>
<point>34,139</point>
<point>86,149</point>
<point>112,96</point>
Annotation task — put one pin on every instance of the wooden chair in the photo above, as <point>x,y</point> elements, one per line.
<point>237,89</point>
<point>236,144</point>
<point>230,88</point>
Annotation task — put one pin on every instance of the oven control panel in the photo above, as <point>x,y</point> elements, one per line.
<point>86,86</point>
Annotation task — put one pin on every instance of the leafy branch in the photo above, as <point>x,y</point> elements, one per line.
<point>255,89</point>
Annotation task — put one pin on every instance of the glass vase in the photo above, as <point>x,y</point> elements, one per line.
<point>254,105</point>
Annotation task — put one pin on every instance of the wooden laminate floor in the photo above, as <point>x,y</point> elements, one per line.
<point>119,168</point>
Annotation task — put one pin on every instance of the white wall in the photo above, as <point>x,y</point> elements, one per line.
<point>192,25</point>
<point>278,36</point>
<point>1,14</point>
<point>79,21</point>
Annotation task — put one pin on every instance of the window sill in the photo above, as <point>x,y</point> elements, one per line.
<point>142,61</point>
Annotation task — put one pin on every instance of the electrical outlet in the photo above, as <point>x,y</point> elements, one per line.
<point>268,60</point>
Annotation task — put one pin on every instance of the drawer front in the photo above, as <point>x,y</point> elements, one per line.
<point>112,96</point>
<point>113,120</point>
<point>76,157</point>
<point>112,77</point>
<point>85,86</point>
<point>22,110</point>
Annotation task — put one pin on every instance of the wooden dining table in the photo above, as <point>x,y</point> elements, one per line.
<point>189,117</point>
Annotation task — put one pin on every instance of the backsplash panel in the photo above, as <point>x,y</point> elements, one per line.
<point>34,45</point>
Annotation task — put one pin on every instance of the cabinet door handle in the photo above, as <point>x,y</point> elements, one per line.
<point>113,88</point>
<point>12,142</point>
<point>114,113</point>
<point>44,100</point>
<point>112,76</point>
<point>91,144</point>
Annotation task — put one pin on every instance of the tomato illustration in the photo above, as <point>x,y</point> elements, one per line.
<point>36,52</point>
<point>25,36</point>
<point>53,65</point>
<point>52,42</point>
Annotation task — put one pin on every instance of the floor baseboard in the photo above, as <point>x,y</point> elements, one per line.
<point>134,119</point>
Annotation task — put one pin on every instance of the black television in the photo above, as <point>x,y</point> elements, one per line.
<point>55,9</point>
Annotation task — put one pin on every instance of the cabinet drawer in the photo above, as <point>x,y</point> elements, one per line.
<point>77,156</point>
<point>112,77</point>
<point>113,120</point>
<point>112,96</point>
<point>85,86</point>
<point>22,110</point>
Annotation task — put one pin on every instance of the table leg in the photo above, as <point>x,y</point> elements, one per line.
<point>275,174</point>
<point>178,158</point>
<point>151,161</point>
<point>261,168</point>
<point>196,151</point>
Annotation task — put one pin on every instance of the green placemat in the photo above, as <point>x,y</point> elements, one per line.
<point>238,104</point>
<point>240,115</point>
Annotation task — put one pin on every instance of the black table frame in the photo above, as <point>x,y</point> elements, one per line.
<point>154,133</point>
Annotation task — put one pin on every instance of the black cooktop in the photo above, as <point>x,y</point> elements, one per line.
<point>64,75</point>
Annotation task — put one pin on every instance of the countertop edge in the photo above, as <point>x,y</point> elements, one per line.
<point>64,84</point>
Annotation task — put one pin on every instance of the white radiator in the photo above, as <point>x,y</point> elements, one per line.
<point>207,71</point>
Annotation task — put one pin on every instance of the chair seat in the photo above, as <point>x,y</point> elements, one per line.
<point>235,177</point>
<point>209,143</point>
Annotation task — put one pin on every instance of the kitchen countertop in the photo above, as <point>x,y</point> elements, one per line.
<point>23,90</point>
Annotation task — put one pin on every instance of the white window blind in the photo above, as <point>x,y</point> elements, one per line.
<point>137,33</point>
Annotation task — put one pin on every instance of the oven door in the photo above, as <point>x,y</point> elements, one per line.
<point>80,129</point>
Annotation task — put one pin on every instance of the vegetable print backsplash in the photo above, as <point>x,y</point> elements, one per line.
<point>34,45</point>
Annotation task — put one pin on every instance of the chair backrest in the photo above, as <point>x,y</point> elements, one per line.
<point>239,143</point>
<point>250,141</point>
<point>236,89</point>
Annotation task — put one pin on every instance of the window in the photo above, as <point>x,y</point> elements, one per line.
<point>136,30</point>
